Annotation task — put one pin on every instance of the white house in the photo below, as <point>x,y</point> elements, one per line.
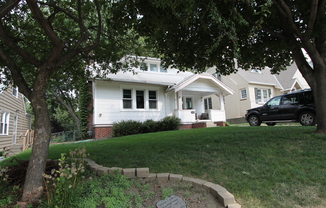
<point>154,92</point>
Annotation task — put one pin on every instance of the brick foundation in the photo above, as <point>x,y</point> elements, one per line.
<point>100,132</point>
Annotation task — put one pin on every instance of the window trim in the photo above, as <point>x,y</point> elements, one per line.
<point>241,95</point>
<point>208,103</point>
<point>150,99</point>
<point>15,89</point>
<point>4,123</point>
<point>134,98</point>
<point>261,91</point>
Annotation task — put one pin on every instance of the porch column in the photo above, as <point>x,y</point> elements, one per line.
<point>221,101</point>
<point>179,100</point>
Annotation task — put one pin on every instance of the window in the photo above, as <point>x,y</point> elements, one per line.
<point>163,69</point>
<point>187,104</point>
<point>262,95</point>
<point>4,125</point>
<point>290,99</point>
<point>15,92</point>
<point>243,94</point>
<point>127,99</point>
<point>153,67</point>
<point>143,66</point>
<point>218,75</point>
<point>152,101</point>
<point>274,101</point>
<point>1,83</point>
<point>140,99</point>
<point>208,103</point>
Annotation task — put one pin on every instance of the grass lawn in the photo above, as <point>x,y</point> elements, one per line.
<point>281,166</point>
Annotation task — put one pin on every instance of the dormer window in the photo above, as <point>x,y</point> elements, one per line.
<point>15,92</point>
<point>153,67</point>
<point>163,69</point>
<point>143,66</point>
<point>256,71</point>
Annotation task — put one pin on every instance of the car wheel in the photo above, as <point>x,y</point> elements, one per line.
<point>271,124</point>
<point>307,119</point>
<point>254,120</point>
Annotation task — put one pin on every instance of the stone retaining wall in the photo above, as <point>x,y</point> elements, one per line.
<point>222,195</point>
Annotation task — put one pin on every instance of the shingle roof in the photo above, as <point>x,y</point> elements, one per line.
<point>262,77</point>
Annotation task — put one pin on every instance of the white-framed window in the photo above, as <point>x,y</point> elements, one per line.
<point>163,69</point>
<point>127,98</point>
<point>208,103</point>
<point>187,103</point>
<point>153,67</point>
<point>143,66</point>
<point>140,99</point>
<point>152,99</point>
<point>15,92</point>
<point>243,94</point>
<point>262,95</point>
<point>4,125</point>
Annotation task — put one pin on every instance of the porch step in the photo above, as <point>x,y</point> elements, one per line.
<point>210,124</point>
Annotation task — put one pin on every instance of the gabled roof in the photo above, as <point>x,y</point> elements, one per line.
<point>286,78</point>
<point>188,80</point>
<point>263,77</point>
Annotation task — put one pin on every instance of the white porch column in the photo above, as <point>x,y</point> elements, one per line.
<point>179,100</point>
<point>221,101</point>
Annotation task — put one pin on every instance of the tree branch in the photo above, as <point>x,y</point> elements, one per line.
<point>9,5</point>
<point>286,12</point>
<point>15,73</point>
<point>11,44</point>
<point>57,44</point>
<point>312,17</point>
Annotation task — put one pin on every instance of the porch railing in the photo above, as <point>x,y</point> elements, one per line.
<point>27,139</point>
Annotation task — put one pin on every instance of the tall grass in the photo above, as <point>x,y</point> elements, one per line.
<point>281,166</point>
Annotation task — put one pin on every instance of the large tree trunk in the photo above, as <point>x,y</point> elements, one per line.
<point>320,98</point>
<point>33,187</point>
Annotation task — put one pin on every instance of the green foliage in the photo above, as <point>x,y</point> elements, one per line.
<point>168,123</point>
<point>127,127</point>
<point>166,193</point>
<point>149,126</point>
<point>130,127</point>
<point>85,98</point>
<point>61,184</point>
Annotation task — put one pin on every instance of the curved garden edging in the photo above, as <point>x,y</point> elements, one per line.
<point>222,195</point>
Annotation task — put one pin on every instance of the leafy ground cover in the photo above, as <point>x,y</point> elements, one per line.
<point>281,166</point>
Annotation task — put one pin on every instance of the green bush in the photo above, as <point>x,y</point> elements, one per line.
<point>126,127</point>
<point>169,123</point>
<point>149,126</point>
<point>129,127</point>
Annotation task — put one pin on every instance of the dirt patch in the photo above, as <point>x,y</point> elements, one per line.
<point>154,191</point>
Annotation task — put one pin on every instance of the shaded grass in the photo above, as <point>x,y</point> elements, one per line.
<point>281,166</point>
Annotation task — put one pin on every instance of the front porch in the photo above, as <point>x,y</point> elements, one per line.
<point>191,116</point>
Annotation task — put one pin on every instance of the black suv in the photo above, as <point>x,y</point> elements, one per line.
<point>297,106</point>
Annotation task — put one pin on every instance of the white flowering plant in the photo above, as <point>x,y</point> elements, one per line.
<point>60,183</point>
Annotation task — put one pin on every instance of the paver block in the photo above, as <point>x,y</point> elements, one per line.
<point>198,182</point>
<point>151,176</point>
<point>234,206</point>
<point>163,177</point>
<point>114,170</point>
<point>215,189</point>
<point>226,198</point>
<point>142,172</point>
<point>187,179</point>
<point>175,177</point>
<point>102,171</point>
<point>93,168</point>
<point>208,186</point>
<point>129,172</point>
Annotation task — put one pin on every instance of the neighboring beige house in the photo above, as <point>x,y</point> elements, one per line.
<point>253,88</point>
<point>14,121</point>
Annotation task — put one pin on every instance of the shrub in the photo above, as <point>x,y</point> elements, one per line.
<point>127,127</point>
<point>169,123</point>
<point>149,126</point>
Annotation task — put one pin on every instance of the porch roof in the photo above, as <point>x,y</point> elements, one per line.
<point>205,76</point>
